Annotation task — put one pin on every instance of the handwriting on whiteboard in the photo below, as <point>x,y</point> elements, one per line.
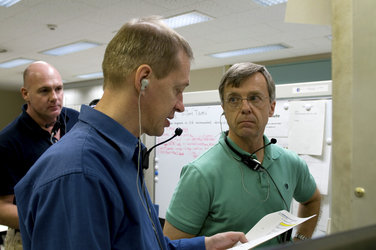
<point>201,130</point>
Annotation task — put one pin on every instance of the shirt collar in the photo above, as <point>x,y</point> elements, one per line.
<point>63,118</point>
<point>270,153</point>
<point>110,129</point>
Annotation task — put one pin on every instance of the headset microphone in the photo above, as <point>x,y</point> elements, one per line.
<point>54,130</point>
<point>248,160</point>
<point>145,152</point>
<point>272,141</point>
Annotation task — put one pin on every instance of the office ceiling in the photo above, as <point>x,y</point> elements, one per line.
<point>237,24</point>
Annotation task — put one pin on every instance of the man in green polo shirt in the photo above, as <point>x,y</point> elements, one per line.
<point>226,189</point>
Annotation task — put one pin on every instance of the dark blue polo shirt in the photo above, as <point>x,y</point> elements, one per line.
<point>22,142</point>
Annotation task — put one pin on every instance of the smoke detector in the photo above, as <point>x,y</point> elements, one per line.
<point>52,26</point>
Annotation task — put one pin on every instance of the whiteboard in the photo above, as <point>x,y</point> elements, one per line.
<point>201,130</point>
<point>202,122</point>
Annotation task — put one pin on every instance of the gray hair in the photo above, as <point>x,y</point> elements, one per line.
<point>240,72</point>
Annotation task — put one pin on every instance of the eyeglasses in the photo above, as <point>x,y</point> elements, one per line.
<point>255,100</point>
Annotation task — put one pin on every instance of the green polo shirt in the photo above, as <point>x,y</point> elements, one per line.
<point>218,193</point>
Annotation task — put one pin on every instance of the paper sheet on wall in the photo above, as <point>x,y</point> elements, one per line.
<point>319,167</point>
<point>306,123</point>
<point>270,226</point>
<point>277,126</point>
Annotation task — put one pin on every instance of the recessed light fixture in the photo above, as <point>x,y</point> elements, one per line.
<point>8,3</point>
<point>241,52</point>
<point>186,19</point>
<point>15,63</point>
<point>269,2</point>
<point>91,75</point>
<point>70,48</point>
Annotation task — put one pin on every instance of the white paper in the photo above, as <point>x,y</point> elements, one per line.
<point>270,226</point>
<point>3,228</point>
<point>319,167</point>
<point>277,126</point>
<point>306,127</point>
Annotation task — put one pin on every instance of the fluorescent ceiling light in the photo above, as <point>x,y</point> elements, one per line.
<point>91,75</point>
<point>70,48</point>
<point>8,3</point>
<point>15,63</point>
<point>186,19</point>
<point>269,2</point>
<point>248,51</point>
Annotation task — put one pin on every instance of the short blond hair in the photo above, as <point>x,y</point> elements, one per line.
<point>143,41</point>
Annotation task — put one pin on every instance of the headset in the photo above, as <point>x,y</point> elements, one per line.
<point>255,165</point>
<point>247,159</point>
<point>145,152</point>
<point>144,201</point>
<point>144,83</point>
<point>56,126</point>
<point>54,130</point>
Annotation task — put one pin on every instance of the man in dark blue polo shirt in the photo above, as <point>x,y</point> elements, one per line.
<point>42,122</point>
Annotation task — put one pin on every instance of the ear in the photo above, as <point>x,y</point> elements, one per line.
<point>143,72</point>
<point>25,94</point>
<point>271,110</point>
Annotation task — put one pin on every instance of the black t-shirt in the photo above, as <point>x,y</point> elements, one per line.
<point>22,142</point>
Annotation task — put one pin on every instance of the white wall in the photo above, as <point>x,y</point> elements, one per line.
<point>75,97</point>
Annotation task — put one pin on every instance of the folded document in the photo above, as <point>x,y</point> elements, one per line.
<point>270,226</point>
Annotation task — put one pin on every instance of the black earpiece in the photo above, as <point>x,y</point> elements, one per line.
<point>144,83</point>
<point>250,162</point>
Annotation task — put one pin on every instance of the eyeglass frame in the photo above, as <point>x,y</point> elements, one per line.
<point>240,100</point>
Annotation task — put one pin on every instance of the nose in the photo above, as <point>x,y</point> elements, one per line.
<point>246,108</point>
<point>53,96</point>
<point>179,105</point>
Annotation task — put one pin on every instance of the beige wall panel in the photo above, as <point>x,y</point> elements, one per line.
<point>354,137</point>
<point>10,103</point>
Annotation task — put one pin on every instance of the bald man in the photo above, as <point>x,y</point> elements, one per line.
<point>43,122</point>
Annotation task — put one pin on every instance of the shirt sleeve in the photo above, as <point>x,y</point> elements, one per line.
<point>190,203</point>
<point>306,185</point>
<point>197,243</point>
<point>8,176</point>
